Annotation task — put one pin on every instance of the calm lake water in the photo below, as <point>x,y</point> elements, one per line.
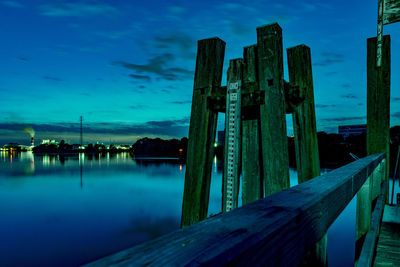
<point>66,211</point>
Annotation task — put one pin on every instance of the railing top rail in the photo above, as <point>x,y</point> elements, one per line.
<point>277,230</point>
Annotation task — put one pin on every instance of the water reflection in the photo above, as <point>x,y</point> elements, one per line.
<point>71,209</point>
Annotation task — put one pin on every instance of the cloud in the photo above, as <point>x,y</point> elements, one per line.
<point>50,78</point>
<point>176,9</point>
<point>181,102</point>
<point>395,99</point>
<point>76,9</point>
<point>343,119</point>
<point>396,115</point>
<point>160,67</point>
<point>238,28</point>
<point>178,127</point>
<point>331,73</point>
<point>177,39</point>
<point>346,85</point>
<point>349,96</point>
<point>140,77</point>
<point>324,106</point>
<point>23,59</point>
<point>135,107</point>
<point>329,58</point>
<point>12,4</point>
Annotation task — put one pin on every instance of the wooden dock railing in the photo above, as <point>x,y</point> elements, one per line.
<point>275,231</point>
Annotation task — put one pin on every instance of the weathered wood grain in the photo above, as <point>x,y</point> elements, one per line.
<point>388,247</point>
<point>304,122</point>
<point>275,159</point>
<point>274,231</point>
<point>203,122</point>
<point>378,99</point>
<point>252,185</point>
<point>233,140</point>
<point>368,249</point>
<point>364,208</point>
<point>305,132</point>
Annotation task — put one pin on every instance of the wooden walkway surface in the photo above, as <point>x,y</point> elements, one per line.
<point>388,247</point>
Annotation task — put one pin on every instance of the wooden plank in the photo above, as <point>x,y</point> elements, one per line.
<point>274,231</point>
<point>305,132</point>
<point>368,249</point>
<point>252,185</point>
<point>388,247</point>
<point>203,122</point>
<point>275,159</point>
<point>233,140</point>
<point>391,11</point>
<point>378,99</point>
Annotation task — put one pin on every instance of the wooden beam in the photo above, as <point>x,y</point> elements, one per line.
<point>252,186</point>
<point>253,100</point>
<point>275,158</point>
<point>217,103</point>
<point>378,99</point>
<point>233,140</point>
<point>368,249</point>
<point>305,133</point>
<point>274,231</point>
<point>203,122</point>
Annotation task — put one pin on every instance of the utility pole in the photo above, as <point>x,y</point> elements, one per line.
<point>81,132</point>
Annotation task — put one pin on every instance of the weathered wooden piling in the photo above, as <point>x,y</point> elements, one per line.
<point>378,99</point>
<point>274,142</point>
<point>233,139</point>
<point>304,122</point>
<point>252,177</point>
<point>203,121</point>
<point>305,133</point>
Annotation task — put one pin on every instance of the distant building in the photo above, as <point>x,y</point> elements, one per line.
<point>49,142</point>
<point>347,130</point>
<point>221,138</point>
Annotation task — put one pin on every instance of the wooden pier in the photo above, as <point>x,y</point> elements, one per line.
<point>277,225</point>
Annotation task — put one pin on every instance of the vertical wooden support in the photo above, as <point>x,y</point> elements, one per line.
<point>231,175</point>
<point>377,180</point>
<point>305,133</point>
<point>378,100</point>
<point>364,206</point>
<point>208,75</point>
<point>273,113</point>
<point>304,123</point>
<point>252,179</point>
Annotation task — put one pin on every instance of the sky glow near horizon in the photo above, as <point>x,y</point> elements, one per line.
<point>128,66</point>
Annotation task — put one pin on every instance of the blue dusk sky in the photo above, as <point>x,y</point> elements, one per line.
<point>128,66</point>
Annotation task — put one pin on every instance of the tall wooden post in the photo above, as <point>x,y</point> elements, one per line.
<point>305,133</point>
<point>304,123</point>
<point>378,126</point>
<point>252,185</point>
<point>231,175</point>
<point>378,100</point>
<point>208,75</point>
<point>273,112</point>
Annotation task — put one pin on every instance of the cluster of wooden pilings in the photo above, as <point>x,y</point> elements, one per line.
<point>256,137</point>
